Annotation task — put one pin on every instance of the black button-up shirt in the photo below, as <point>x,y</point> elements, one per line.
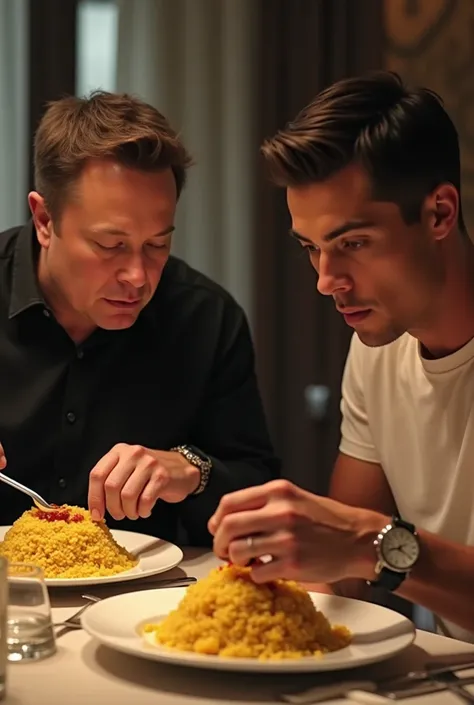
<point>183,373</point>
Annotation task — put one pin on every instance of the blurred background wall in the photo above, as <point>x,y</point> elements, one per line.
<point>431,43</point>
<point>228,73</point>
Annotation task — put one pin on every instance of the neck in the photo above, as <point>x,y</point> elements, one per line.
<point>77,326</point>
<point>451,324</point>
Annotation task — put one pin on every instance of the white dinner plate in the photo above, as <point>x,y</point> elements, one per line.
<point>154,556</point>
<point>379,633</point>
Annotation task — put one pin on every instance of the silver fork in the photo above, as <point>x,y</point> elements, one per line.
<point>37,499</point>
<point>74,622</point>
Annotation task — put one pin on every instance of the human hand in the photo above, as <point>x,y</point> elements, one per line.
<point>3,459</point>
<point>130,479</point>
<point>310,538</point>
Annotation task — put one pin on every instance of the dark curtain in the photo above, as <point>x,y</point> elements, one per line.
<point>52,57</point>
<point>301,341</point>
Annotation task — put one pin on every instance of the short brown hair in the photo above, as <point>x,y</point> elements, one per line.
<point>103,125</point>
<point>403,137</point>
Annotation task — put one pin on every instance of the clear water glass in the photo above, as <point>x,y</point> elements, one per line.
<point>3,626</point>
<point>30,633</point>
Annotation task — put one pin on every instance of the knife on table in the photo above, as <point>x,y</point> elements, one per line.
<point>320,693</point>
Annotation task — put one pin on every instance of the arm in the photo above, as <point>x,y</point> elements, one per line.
<point>317,538</point>
<point>358,483</point>
<point>443,580</point>
<point>230,427</point>
<point>358,478</point>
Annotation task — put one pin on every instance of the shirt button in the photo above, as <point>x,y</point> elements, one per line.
<point>80,354</point>
<point>71,416</point>
<point>46,313</point>
<point>62,483</point>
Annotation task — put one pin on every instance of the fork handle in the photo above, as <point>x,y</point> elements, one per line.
<point>26,490</point>
<point>461,692</point>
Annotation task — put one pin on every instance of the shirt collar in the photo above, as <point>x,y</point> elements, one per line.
<point>25,291</point>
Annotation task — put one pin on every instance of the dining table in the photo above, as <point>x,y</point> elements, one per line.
<point>84,671</point>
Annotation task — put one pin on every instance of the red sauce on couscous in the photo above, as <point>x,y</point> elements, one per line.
<point>59,515</point>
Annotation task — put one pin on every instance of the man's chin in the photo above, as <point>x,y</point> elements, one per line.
<point>119,322</point>
<point>377,339</point>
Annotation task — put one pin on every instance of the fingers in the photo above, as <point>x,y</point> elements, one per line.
<point>100,472</point>
<point>280,544</point>
<point>249,499</point>
<point>273,570</point>
<point>151,493</point>
<point>266,520</point>
<point>140,492</point>
<point>127,482</point>
<point>120,504</point>
<point>3,460</point>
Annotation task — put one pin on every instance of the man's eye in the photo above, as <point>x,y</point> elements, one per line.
<point>156,246</point>
<point>109,247</point>
<point>353,244</point>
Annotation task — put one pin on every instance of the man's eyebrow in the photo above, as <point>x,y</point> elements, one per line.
<point>299,237</point>
<point>337,232</point>
<point>105,230</point>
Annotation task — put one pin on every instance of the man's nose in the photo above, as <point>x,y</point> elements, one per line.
<point>134,273</point>
<point>332,276</point>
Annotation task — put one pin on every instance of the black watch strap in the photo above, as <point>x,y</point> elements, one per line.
<point>388,579</point>
<point>398,521</point>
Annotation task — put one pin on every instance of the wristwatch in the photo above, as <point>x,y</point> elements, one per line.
<point>398,548</point>
<point>200,460</point>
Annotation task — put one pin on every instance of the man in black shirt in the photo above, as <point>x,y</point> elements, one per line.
<point>127,378</point>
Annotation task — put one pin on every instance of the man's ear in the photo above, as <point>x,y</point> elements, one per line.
<point>441,210</point>
<point>41,218</point>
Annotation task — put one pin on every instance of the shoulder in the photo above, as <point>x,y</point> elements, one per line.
<point>375,364</point>
<point>187,299</point>
<point>181,283</point>
<point>8,240</point>
<point>180,278</point>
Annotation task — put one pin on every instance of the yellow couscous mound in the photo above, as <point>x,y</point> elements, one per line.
<point>227,614</point>
<point>65,544</point>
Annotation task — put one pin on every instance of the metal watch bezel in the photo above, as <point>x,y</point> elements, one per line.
<point>381,560</point>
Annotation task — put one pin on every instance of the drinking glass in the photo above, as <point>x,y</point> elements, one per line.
<point>30,634</point>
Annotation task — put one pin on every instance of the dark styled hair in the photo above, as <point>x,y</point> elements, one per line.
<point>103,125</point>
<point>402,137</point>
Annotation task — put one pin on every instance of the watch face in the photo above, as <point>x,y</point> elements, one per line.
<point>399,549</point>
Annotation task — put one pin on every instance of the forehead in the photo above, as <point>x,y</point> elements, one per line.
<point>109,189</point>
<point>322,207</point>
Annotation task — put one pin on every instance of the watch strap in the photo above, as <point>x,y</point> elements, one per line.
<point>398,521</point>
<point>196,457</point>
<point>388,579</point>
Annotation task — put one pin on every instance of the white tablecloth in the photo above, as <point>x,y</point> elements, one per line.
<point>83,672</point>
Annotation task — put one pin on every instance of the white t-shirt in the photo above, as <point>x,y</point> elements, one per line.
<point>415,417</point>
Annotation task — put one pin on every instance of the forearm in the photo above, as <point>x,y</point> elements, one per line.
<point>443,580</point>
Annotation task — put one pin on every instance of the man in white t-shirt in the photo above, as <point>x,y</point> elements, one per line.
<point>372,174</point>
